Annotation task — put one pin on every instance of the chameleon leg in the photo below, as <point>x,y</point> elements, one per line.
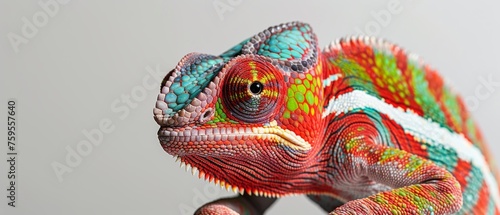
<point>419,186</point>
<point>327,203</point>
<point>241,204</point>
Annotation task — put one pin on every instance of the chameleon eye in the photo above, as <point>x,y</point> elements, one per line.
<point>251,89</point>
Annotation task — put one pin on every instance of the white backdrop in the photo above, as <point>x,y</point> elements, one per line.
<point>89,71</point>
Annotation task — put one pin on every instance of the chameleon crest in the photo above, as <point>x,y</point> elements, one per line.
<point>361,127</point>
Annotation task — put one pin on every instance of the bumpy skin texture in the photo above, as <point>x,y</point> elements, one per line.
<point>360,127</point>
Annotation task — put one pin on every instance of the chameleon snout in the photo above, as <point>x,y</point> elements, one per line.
<point>188,92</point>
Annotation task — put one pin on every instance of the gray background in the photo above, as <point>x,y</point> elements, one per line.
<point>92,54</point>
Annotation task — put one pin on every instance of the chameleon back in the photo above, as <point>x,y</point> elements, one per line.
<point>384,71</point>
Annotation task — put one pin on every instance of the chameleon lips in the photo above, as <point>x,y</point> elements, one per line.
<point>210,141</point>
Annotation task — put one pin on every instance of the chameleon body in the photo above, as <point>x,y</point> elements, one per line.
<point>361,127</point>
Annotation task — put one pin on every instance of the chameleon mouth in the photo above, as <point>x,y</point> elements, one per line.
<point>207,141</point>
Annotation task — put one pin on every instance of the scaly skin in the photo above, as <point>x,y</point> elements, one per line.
<point>361,128</point>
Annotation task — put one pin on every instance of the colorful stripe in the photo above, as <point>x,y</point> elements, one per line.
<point>426,130</point>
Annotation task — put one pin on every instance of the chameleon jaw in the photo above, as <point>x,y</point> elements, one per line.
<point>193,147</point>
<point>222,183</point>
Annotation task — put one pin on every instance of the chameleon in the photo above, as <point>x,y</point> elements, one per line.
<point>360,127</point>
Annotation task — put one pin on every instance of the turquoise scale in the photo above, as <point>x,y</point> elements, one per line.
<point>491,206</point>
<point>473,186</point>
<point>442,156</point>
<point>194,76</point>
<point>290,44</point>
<point>234,51</point>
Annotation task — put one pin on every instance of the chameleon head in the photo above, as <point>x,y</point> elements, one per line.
<point>250,118</point>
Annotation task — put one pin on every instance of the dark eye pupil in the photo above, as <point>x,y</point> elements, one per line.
<point>256,87</point>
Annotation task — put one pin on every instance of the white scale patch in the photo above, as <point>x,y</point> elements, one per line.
<point>330,79</point>
<point>427,130</point>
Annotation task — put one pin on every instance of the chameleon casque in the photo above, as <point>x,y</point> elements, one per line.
<point>360,127</point>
